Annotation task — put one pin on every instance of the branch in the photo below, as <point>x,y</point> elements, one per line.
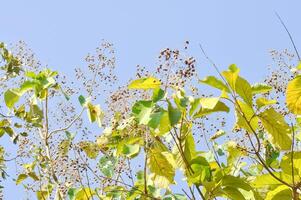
<point>69,125</point>
<point>289,34</point>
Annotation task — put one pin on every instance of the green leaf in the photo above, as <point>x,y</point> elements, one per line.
<point>215,82</point>
<point>286,163</point>
<point>160,122</point>
<point>91,149</point>
<point>189,147</point>
<point>107,165</point>
<point>267,180</point>
<point>280,193</point>
<point>84,194</point>
<point>233,153</point>
<point>64,147</point>
<point>72,192</point>
<point>260,102</point>
<point>21,178</point>
<point>142,111</point>
<point>260,88</point>
<point>173,114</point>
<point>231,75</point>
<point>201,171</point>
<point>145,83</point>
<point>131,150</point>
<point>82,100</point>
<point>244,90</point>
<point>210,105</point>
<point>162,164</point>
<point>278,129</point>
<point>245,116</point>
<point>233,193</point>
<point>158,94</point>
<point>293,95</point>
<point>235,182</point>
<point>11,97</point>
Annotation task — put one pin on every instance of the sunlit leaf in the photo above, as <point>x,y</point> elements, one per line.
<point>162,164</point>
<point>278,129</point>
<point>280,193</point>
<point>11,97</point>
<point>211,105</point>
<point>260,102</point>
<point>21,178</point>
<point>215,82</point>
<point>293,95</point>
<point>142,111</point>
<point>260,88</point>
<point>145,83</point>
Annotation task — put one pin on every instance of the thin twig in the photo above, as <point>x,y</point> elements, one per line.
<point>289,34</point>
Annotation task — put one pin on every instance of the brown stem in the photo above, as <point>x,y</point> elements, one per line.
<point>145,171</point>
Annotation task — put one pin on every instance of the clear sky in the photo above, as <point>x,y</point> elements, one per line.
<point>62,32</point>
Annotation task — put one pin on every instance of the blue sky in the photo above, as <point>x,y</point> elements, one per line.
<point>63,32</point>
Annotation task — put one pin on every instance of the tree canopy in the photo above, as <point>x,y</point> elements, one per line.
<point>75,143</point>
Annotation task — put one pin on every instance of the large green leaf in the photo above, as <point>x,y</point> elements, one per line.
<point>145,83</point>
<point>268,181</point>
<point>158,94</point>
<point>215,82</point>
<point>244,90</point>
<point>233,193</point>
<point>11,97</point>
<point>235,182</point>
<point>231,75</point>
<point>174,114</point>
<point>278,129</point>
<point>286,163</point>
<point>142,111</point>
<point>280,193</point>
<point>162,164</point>
<point>201,171</point>
<point>293,95</point>
<point>210,105</point>
<point>160,122</point>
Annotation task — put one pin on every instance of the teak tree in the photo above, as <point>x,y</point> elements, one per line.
<point>151,130</point>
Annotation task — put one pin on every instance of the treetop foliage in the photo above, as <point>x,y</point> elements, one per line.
<point>158,127</point>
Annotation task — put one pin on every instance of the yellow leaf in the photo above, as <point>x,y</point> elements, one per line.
<point>145,83</point>
<point>293,95</point>
<point>278,129</point>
